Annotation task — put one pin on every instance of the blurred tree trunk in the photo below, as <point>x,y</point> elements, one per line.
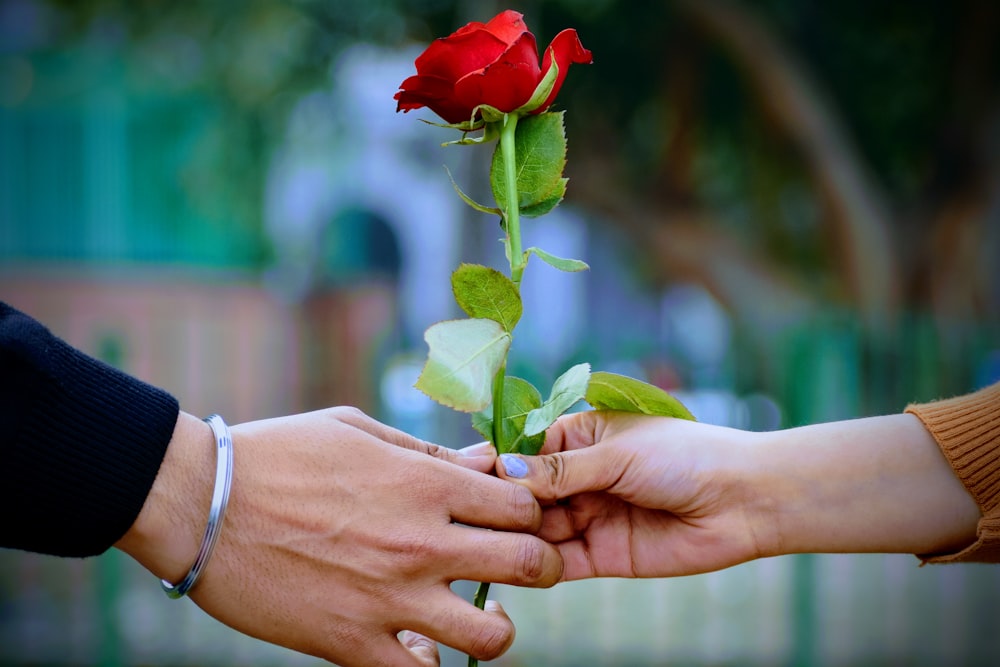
<point>931,258</point>
<point>954,269</point>
<point>855,206</point>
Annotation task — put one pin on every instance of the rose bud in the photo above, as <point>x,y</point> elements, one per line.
<point>493,64</point>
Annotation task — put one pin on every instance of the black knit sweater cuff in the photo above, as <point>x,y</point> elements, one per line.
<point>82,443</point>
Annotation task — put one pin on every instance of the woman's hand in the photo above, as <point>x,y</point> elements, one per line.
<point>636,496</point>
<point>641,496</point>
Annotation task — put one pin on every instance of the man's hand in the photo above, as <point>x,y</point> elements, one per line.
<point>341,533</point>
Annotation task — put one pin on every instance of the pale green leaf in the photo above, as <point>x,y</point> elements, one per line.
<point>610,391</point>
<point>568,389</point>
<point>569,265</point>
<point>464,357</point>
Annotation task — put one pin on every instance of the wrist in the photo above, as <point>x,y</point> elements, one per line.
<point>166,535</point>
<point>763,491</point>
<point>878,484</point>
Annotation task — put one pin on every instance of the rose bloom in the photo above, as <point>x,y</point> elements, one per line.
<point>495,63</point>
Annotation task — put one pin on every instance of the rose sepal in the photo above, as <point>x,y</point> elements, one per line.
<point>484,117</point>
<point>490,133</point>
<point>464,126</point>
<point>542,91</point>
<point>489,210</point>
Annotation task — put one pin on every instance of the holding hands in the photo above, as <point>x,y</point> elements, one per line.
<point>343,534</point>
<point>634,496</point>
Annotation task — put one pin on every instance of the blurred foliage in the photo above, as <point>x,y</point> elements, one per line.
<point>893,71</point>
<point>245,64</point>
<point>677,113</point>
<point>669,115</point>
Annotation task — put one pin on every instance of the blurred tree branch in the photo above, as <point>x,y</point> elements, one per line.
<point>916,247</point>
<point>856,207</point>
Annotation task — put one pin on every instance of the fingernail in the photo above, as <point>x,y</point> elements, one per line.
<point>514,466</point>
<point>480,449</point>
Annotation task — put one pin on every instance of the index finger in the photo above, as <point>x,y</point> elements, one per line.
<point>572,431</point>
<point>488,502</point>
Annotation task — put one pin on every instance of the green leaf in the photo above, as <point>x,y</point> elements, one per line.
<point>610,391</point>
<point>487,293</point>
<point>482,421</point>
<point>551,200</point>
<point>464,356</point>
<point>568,389</point>
<point>539,160</point>
<point>519,398</point>
<point>469,200</point>
<point>569,265</point>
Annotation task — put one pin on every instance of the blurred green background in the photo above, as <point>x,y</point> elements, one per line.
<point>791,209</point>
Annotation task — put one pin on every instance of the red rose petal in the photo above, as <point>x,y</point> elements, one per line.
<point>568,49</point>
<point>508,26</point>
<point>453,57</point>
<point>507,83</point>
<point>434,93</point>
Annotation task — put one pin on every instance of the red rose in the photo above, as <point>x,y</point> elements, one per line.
<point>495,63</point>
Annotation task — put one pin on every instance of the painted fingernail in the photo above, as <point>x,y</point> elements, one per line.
<point>514,466</point>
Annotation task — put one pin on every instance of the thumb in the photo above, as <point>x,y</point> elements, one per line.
<point>553,477</point>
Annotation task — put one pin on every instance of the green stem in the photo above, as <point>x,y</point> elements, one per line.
<point>512,216</point>
<point>498,403</point>
<point>484,587</point>
<point>480,602</point>
<point>512,224</point>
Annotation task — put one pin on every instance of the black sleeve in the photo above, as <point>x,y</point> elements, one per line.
<point>80,443</point>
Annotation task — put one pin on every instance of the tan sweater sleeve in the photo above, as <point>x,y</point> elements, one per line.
<point>967,429</point>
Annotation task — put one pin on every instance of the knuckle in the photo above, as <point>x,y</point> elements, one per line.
<point>414,554</point>
<point>555,475</point>
<point>492,639</point>
<point>523,506</point>
<point>530,561</point>
<point>437,451</point>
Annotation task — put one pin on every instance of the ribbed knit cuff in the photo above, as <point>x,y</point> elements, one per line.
<point>83,443</point>
<point>967,429</point>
